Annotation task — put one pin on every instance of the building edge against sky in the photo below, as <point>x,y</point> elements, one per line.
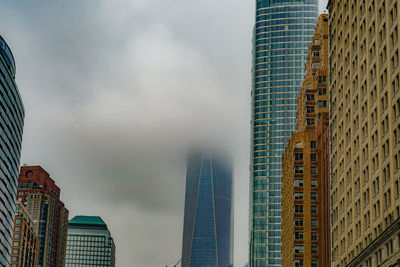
<point>208,216</point>
<point>11,122</point>
<point>281,36</point>
<point>305,180</point>
<point>89,243</point>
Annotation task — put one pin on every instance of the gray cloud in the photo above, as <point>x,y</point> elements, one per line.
<point>115,93</point>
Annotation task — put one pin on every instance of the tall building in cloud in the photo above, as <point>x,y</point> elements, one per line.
<point>41,198</point>
<point>281,36</point>
<point>305,179</point>
<point>365,132</point>
<point>208,227</point>
<point>89,243</point>
<point>11,127</point>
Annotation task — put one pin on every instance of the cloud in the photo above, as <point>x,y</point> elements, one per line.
<point>115,94</point>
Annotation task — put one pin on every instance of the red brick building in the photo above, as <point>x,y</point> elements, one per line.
<point>41,198</point>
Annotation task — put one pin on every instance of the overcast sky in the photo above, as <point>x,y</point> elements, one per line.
<point>115,92</point>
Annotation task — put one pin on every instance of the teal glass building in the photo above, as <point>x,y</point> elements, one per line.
<point>11,127</point>
<point>89,243</point>
<point>282,33</point>
<point>207,230</point>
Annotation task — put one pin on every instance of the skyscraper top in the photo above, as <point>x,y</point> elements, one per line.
<point>7,55</point>
<point>88,221</point>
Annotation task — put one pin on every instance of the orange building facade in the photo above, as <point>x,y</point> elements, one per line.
<point>305,180</point>
<point>25,244</point>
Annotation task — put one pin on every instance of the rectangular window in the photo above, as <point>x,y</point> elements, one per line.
<point>313,196</point>
<point>298,209</point>
<point>314,236</point>
<point>313,144</point>
<point>298,222</point>
<point>314,250</point>
<point>298,249</point>
<point>313,209</point>
<point>314,223</point>
<point>313,157</point>
<point>298,263</point>
<point>298,156</point>
<point>298,183</point>
<point>313,170</point>
<point>310,97</point>
<point>298,236</point>
<point>298,196</point>
<point>314,183</point>
<point>298,169</point>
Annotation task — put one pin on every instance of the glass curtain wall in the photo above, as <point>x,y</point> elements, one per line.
<point>281,36</point>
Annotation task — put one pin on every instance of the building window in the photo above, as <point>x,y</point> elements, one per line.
<point>314,183</point>
<point>313,144</point>
<point>298,156</point>
<point>298,169</point>
<point>310,122</point>
<point>313,196</point>
<point>314,223</point>
<point>298,263</point>
<point>314,250</point>
<point>298,236</point>
<point>310,97</point>
<point>298,249</point>
<point>322,104</point>
<point>314,236</point>
<point>314,263</point>
<point>298,183</point>
<point>298,196</point>
<point>313,170</point>
<point>313,157</point>
<point>313,209</point>
<point>298,209</point>
<point>298,222</point>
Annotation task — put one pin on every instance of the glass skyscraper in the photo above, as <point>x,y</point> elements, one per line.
<point>207,233</point>
<point>281,36</point>
<point>11,126</point>
<point>89,243</point>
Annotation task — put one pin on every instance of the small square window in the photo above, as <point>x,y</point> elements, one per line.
<point>313,144</point>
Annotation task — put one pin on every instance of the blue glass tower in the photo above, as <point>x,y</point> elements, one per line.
<point>11,126</point>
<point>282,34</point>
<point>207,230</point>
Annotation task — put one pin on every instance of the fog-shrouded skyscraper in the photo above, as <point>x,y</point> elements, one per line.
<point>89,243</point>
<point>11,126</point>
<point>208,227</point>
<point>281,37</point>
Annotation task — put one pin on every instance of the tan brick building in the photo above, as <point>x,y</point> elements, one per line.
<point>305,181</point>
<point>365,131</point>
<point>25,244</point>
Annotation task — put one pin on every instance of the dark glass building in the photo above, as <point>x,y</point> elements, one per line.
<point>11,126</point>
<point>281,36</point>
<point>207,231</point>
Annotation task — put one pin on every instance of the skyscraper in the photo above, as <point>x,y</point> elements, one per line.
<point>11,126</point>
<point>25,246</point>
<point>281,36</point>
<point>41,198</point>
<point>365,132</point>
<point>207,231</point>
<point>89,243</point>
<point>305,180</point>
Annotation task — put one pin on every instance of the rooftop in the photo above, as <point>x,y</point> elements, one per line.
<point>87,222</point>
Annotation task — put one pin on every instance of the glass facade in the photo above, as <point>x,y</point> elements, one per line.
<point>11,126</point>
<point>207,233</point>
<point>281,36</point>
<point>89,243</point>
